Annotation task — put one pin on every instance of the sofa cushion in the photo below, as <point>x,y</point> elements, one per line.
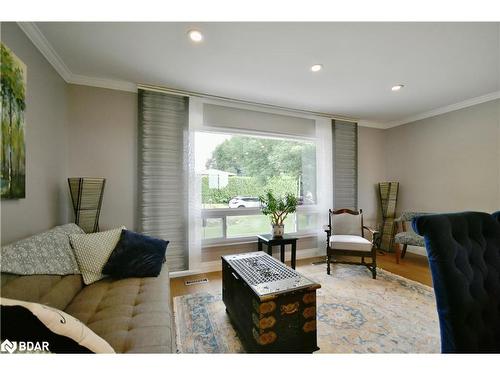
<point>132,315</point>
<point>352,243</point>
<point>136,255</point>
<point>52,329</point>
<point>93,250</point>
<point>46,253</point>
<point>51,290</point>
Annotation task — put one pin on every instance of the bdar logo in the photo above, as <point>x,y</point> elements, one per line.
<point>8,346</point>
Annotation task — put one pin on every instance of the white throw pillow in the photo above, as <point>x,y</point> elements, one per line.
<point>52,330</point>
<point>92,251</point>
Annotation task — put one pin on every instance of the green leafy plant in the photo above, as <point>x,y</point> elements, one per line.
<point>278,208</point>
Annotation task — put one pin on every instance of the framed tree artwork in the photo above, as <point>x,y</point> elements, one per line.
<point>13,107</point>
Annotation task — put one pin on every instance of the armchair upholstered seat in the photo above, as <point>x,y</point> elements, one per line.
<point>409,238</point>
<point>345,237</point>
<point>348,242</point>
<point>464,257</point>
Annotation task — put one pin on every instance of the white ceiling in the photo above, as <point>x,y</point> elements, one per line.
<point>439,63</point>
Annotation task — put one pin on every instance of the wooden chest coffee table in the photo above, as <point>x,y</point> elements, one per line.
<point>272,307</point>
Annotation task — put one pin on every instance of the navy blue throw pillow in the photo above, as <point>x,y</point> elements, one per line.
<point>136,255</point>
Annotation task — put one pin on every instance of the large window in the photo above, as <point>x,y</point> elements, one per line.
<point>236,169</point>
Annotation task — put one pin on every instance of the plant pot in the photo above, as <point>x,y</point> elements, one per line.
<point>278,230</point>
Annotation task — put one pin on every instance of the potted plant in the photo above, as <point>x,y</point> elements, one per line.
<point>278,208</point>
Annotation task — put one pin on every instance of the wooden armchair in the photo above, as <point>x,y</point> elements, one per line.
<point>345,236</point>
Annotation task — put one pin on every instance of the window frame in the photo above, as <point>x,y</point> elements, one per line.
<point>223,213</point>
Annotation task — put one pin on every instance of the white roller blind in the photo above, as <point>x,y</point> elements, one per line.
<point>237,118</point>
<point>163,203</point>
<point>345,164</point>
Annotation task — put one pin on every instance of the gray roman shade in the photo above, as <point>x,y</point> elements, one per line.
<point>244,119</point>
<point>345,164</point>
<point>163,207</point>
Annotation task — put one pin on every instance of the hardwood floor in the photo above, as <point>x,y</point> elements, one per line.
<point>414,267</point>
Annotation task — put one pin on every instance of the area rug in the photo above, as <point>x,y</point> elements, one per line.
<point>356,314</point>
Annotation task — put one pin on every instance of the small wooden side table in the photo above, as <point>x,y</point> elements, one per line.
<point>271,241</point>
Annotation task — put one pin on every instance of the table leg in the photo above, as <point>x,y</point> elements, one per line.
<point>294,254</point>
<point>282,253</point>
<point>270,250</point>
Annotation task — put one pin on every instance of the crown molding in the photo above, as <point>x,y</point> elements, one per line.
<point>102,83</point>
<point>372,124</point>
<point>38,39</point>
<point>441,110</point>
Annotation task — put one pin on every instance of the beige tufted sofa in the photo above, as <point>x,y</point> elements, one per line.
<point>133,315</point>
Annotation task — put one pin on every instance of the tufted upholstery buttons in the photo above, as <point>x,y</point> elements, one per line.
<point>464,257</point>
<point>132,315</point>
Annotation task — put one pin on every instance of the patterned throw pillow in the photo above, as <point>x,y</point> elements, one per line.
<point>46,253</point>
<point>46,329</point>
<point>92,252</point>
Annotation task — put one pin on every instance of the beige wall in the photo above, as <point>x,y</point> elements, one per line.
<point>103,143</point>
<point>450,162</point>
<point>45,204</point>
<point>371,171</point>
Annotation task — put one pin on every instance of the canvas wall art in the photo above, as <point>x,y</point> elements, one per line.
<point>13,106</point>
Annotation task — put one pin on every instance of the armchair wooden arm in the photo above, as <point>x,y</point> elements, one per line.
<point>371,230</point>
<point>374,232</point>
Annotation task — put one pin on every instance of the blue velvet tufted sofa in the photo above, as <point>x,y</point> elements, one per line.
<point>464,257</point>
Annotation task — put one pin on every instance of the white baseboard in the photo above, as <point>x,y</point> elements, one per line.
<point>216,265</point>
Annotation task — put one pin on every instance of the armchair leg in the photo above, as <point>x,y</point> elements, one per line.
<point>328,259</point>
<point>403,253</point>
<point>374,263</point>
<point>397,250</point>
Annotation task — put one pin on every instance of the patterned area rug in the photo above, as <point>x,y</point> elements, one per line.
<point>356,314</point>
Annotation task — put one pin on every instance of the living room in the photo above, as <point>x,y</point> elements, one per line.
<point>250,187</point>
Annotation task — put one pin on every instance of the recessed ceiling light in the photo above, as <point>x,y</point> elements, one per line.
<point>397,87</point>
<point>195,35</point>
<point>316,67</point>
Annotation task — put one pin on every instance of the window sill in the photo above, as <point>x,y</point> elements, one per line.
<point>250,239</point>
